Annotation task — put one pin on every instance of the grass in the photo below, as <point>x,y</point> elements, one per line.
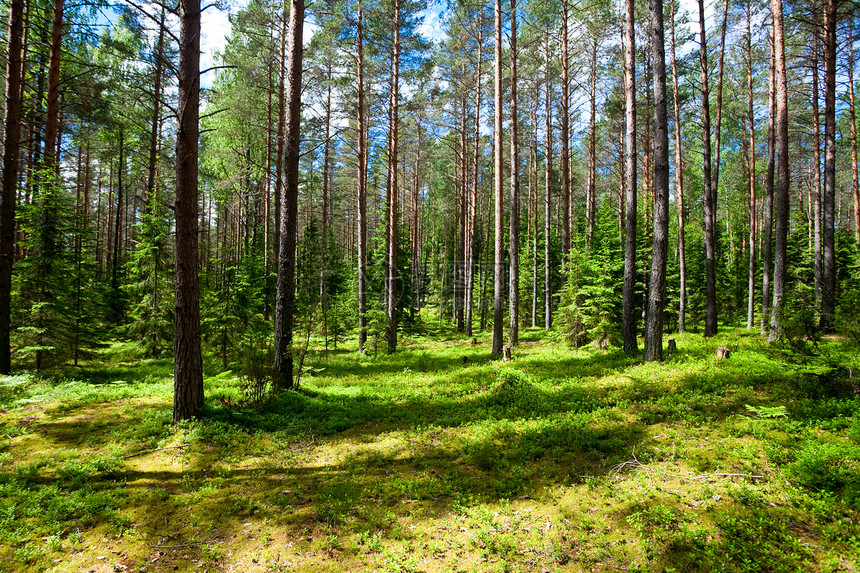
<point>440,459</point>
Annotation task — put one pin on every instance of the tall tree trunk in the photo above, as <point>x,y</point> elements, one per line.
<point>660,248</point>
<point>710,196</point>
<point>852,118</point>
<point>8,195</point>
<point>679,182</point>
<point>279,135</point>
<point>591,191</point>
<point>751,174</point>
<point>471,253</point>
<point>498,271</point>
<point>514,232</point>
<point>414,242</point>
<point>187,361</point>
<point>52,107</point>
<point>120,212</point>
<point>781,191</point>
<point>815,225</point>
<point>547,290</point>
<point>285,295</point>
<point>565,138</point>
<point>393,200</point>
<point>719,115</point>
<point>767,239</point>
<point>828,278</point>
<point>361,129</point>
<point>156,117</point>
<point>628,302</point>
<point>326,175</point>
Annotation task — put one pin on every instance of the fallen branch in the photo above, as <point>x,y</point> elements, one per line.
<point>155,450</point>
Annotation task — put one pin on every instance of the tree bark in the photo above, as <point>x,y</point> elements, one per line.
<point>187,359</point>
<point>628,302</point>
<point>471,253</point>
<point>393,199</point>
<point>8,195</point>
<point>828,278</point>
<point>514,220</point>
<point>498,271</point>
<point>781,191</point>
<point>591,191</point>
<point>679,183</point>
<point>660,248</point>
<point>852,115</point>
<point>767,239</point>
<point>710,196</point>
<point>751,174</point>
<point>285,295</point>
<point>362,185</point>
<point>816,169</point>
<point>547,284</point>
<point>565,138</point>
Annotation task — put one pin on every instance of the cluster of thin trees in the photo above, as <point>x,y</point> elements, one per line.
<point>364,173</point>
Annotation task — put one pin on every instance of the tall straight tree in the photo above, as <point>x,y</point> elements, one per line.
<point>628,311</point>
<point>710,197</point>
<point>361,151</point>
<point>8,194</point>
<point>783,181</point>
<point>391,235</point>
<point>751,173</point>
<point>286,292</point>
<point>514,233</point>
<point>660,248</point>
<point>187,359</point>
<point>498,271</point>
<point>565,137</point>
<point>547,291</point>
<point>679,181</point>
<point>828,278</point>
<point>852,120</point>
<point>767,239</point>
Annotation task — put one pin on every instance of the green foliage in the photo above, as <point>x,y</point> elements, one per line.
<point>829,468</point>
<point>591,296</point>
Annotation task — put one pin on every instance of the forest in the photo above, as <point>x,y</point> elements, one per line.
<point>390,285</point>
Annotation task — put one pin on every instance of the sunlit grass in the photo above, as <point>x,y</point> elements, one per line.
<point>439,458</point>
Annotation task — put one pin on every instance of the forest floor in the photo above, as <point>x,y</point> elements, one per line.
<point>439,459</point>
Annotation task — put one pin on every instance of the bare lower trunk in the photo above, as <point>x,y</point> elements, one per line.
<point>187,359</point>
<point>393,199</point>
<point>362,185</point>
<point>710,196</point>
<point>514,233</point>
<point>828,275</point>
<point>285,294</point>
<point>679,184</point>
<point>660,248</point>
<point>498,270</point>
<point>781,191</point>
<point>628,306</point>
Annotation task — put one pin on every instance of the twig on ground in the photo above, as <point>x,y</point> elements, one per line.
<point>155,450</point>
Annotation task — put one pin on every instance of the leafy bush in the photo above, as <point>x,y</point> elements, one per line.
<point>829,468</point>
<point>516,390</point>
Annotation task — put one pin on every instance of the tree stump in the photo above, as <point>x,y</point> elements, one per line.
<point>723,353</point>
<point>474,341</point>
<point>506,353</point>
<point>672,348</point>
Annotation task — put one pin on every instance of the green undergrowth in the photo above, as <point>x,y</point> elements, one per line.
<point>438,458</point>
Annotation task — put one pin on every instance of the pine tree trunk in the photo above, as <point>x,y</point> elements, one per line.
<point>498,270</point>
<point>393,200</point>
<point>679,183</point>
<point>547,290</point>
<point>149,192</point>
<point>8,195</point>
<point>471,254</point>
<point>628,302</point>
<point>751,162</point>
<point>591,191</point>
<point>514,219</point>
<point>660,248</point>
<point>828,275</point>
<point>188,363</point>
<point>279,136</point>
<point>361,129</point>
<point>782,188</point>
<point>852,115</point>
<point>767,239</point>
<point>815,168</point>
<point>565,138</point>
<point>710,196</point>
<point>285,295</point>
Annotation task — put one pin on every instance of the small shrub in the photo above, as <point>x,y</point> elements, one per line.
<point>515,390</point>
<point>829,468</point>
